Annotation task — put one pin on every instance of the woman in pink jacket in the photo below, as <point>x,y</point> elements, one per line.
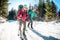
<point>21,16</point>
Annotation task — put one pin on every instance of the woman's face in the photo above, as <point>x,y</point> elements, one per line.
<point>25,8</point>
<point>34,10</point>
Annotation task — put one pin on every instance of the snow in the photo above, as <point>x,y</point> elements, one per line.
<point>8,31</point>
<point>41,31</point>
<point>2,20</point>
<point>48,29</point>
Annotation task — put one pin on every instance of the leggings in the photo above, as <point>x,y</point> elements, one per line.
<point>30,22</point>
<point>22,28</point>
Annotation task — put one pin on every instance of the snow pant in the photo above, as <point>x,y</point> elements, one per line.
<point>22,28</point>
<point>30,22</point>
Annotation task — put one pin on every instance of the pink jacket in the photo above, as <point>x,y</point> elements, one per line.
<point>22,15</point>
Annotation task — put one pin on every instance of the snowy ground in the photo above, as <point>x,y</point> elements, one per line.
<point>41,31</point>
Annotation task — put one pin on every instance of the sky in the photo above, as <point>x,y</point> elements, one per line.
<point>14,3</point>
<point>57,2</point>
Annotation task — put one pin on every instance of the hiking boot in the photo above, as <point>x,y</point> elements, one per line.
<point>32,27</point>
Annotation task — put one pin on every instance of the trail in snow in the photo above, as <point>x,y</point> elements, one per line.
<point>41,31</point>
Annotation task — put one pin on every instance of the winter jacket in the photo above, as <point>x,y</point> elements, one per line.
<point>22,15</point>
<point>32,14</point>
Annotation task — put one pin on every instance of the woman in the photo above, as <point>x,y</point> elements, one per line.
<point>22,15</point>
<point>31,14</point>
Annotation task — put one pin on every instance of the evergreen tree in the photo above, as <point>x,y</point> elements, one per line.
<point>59,13</point>
<point>3,8</point>
<point>48,14</point>
<point>41,8</point>
<point>53,8</point>
<point>12,14</point>
<point>50,10</point>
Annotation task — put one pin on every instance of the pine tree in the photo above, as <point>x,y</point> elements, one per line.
<point>59,16</point>
<point>54,9</point>
<point>48,14</point>
<point>3,8</point>
<point>50,10</point>
<point>59,13</point>
<point>12,14</point>
<point>41,7</point>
